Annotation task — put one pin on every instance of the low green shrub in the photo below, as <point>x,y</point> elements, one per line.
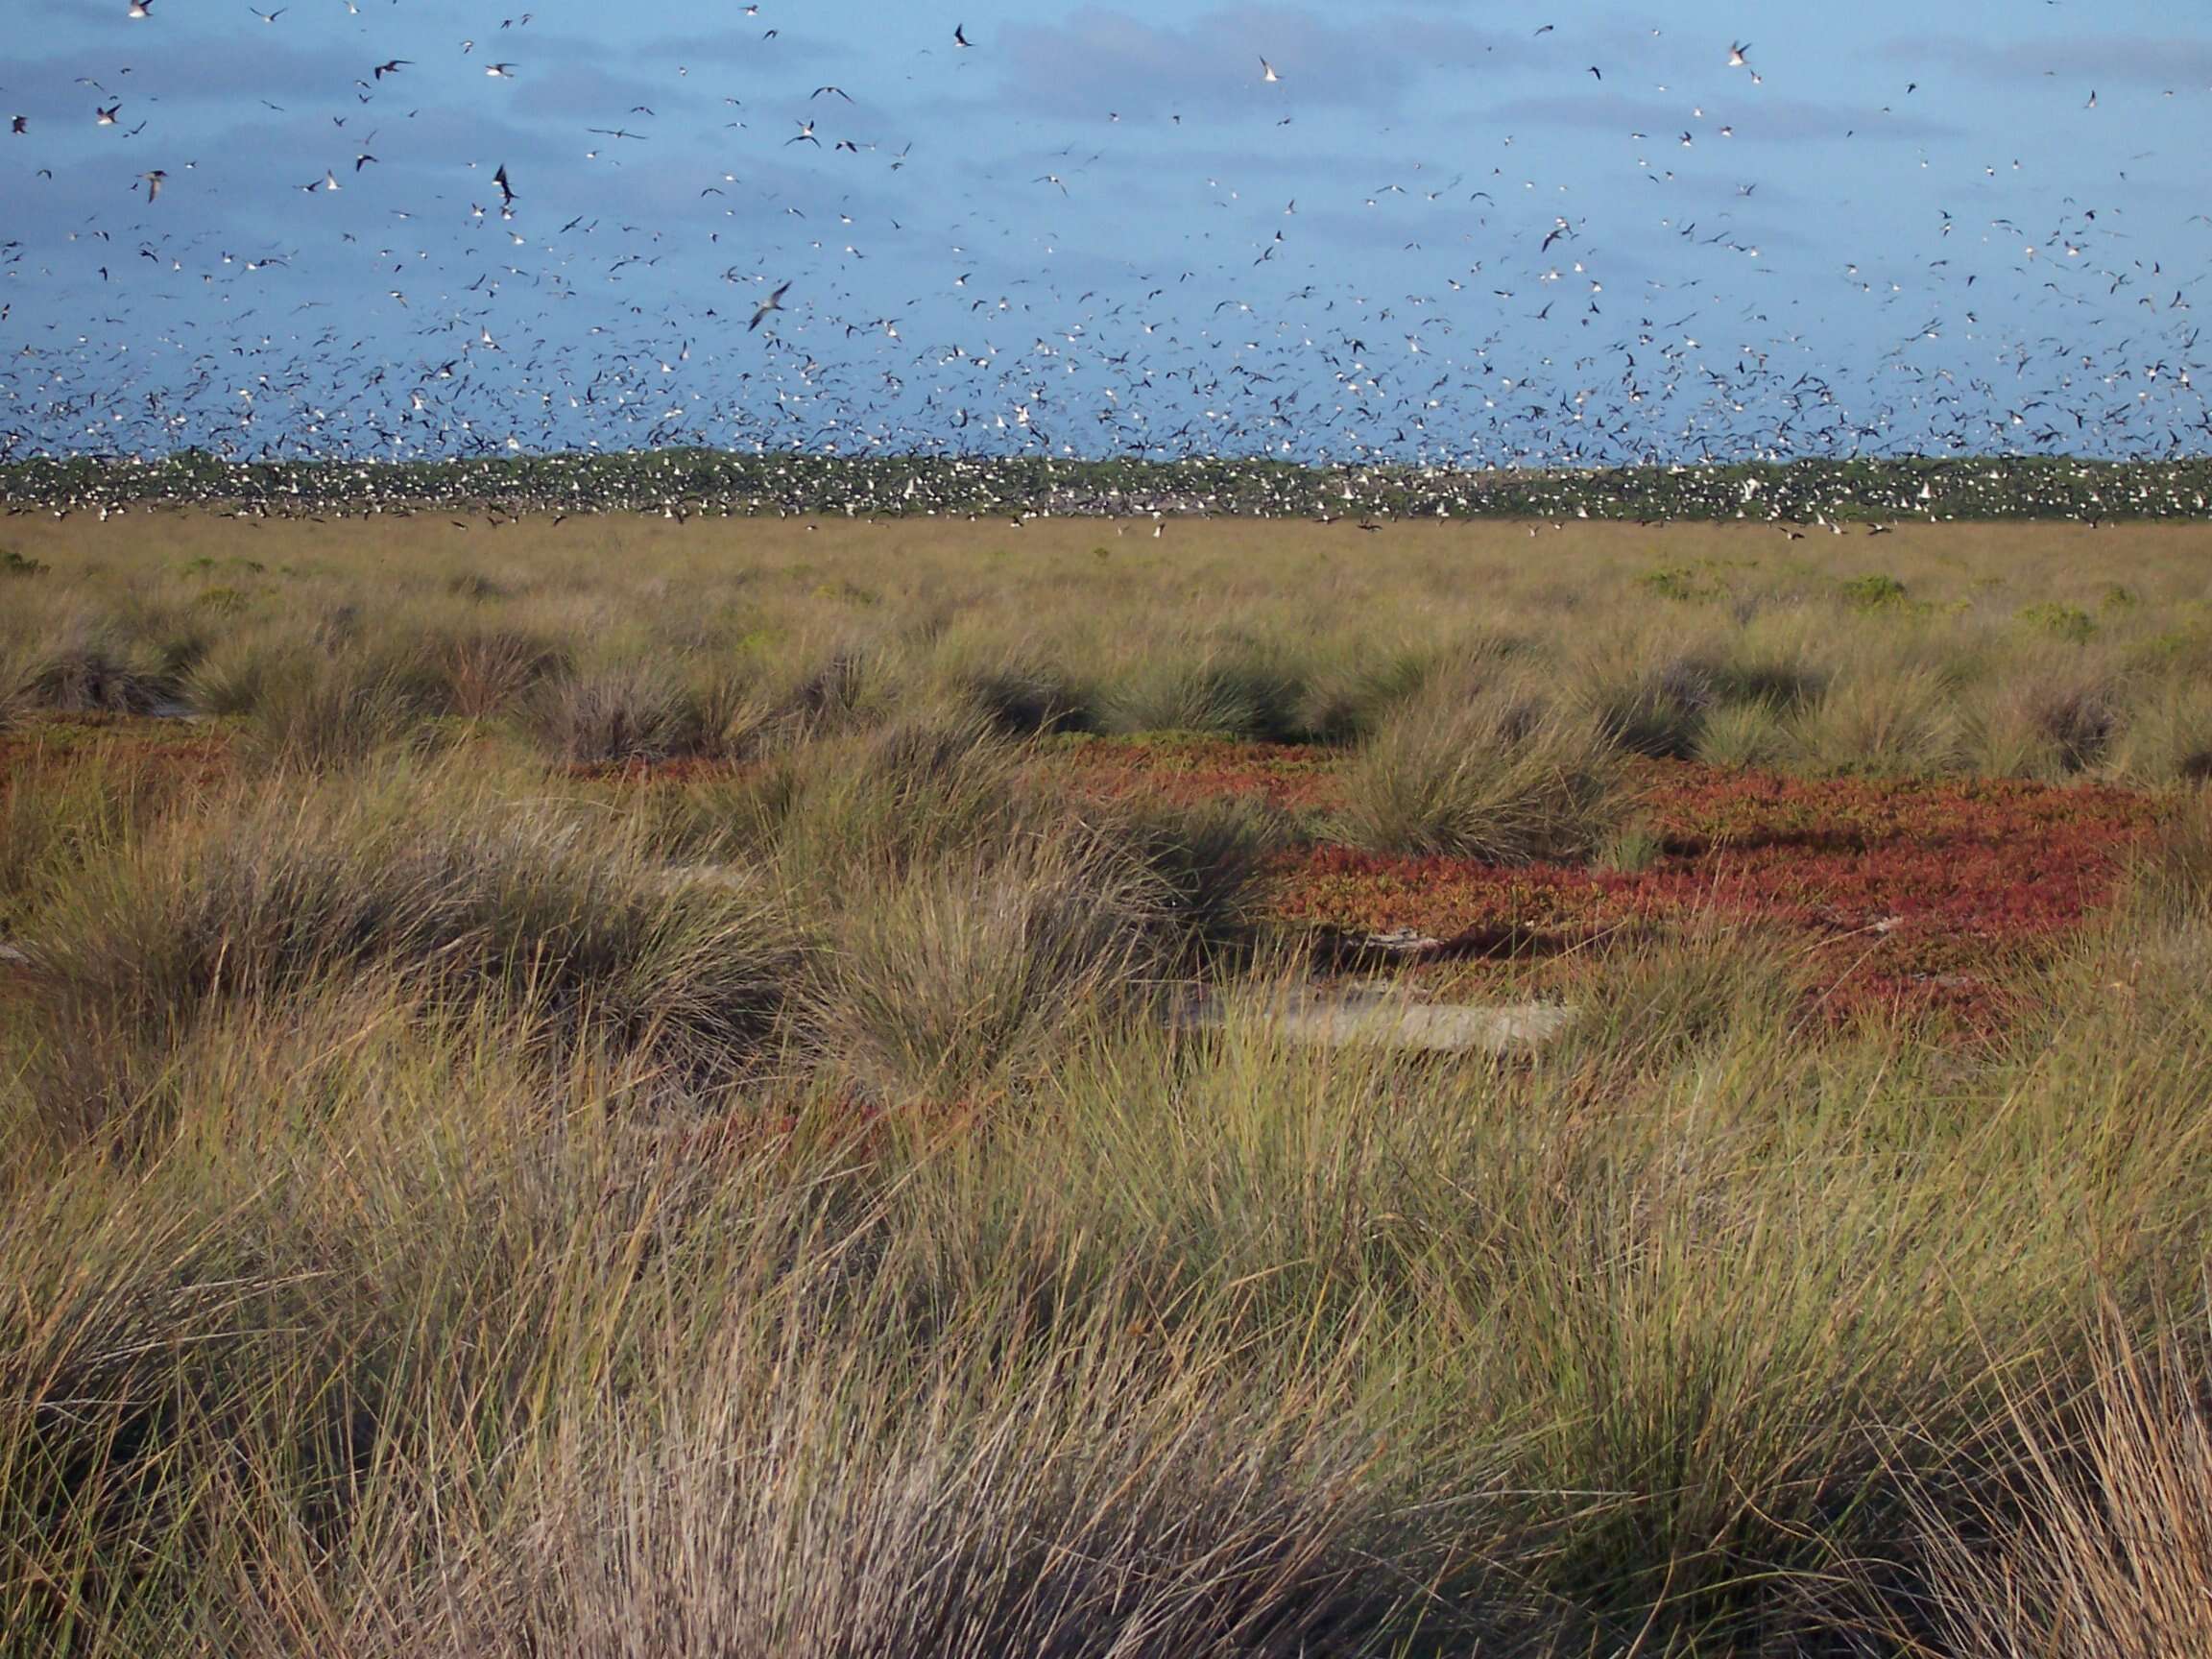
<point>2067,622</point>
<point>1874,592</point>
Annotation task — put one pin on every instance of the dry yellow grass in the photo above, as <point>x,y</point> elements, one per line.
<point>2023,649</point>
<point>457,1207</point>
<point>2066,562</point>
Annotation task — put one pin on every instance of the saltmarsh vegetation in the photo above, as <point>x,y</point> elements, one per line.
<point>631,1114</point>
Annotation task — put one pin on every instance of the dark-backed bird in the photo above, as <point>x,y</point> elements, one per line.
<point>774,302</point>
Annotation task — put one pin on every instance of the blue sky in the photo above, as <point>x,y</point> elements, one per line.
<point>1099,229</point>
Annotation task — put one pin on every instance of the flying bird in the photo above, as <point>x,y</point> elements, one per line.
<point>774,302</point>
<point>153,182</point>
<point>1267,72</point>
<point>506,190</point>
<point>1736,56</point>
<point>392,66</point>
<point>961,36</point>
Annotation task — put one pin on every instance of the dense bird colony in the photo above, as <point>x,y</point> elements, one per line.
<point>676,244</point>
<point>1802,497</point>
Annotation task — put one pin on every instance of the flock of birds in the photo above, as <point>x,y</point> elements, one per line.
<point>898,270</point>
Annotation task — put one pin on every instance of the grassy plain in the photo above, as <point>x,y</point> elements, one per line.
<point>610,1090</point>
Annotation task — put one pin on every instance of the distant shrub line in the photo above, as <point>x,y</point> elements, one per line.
<point>724,482</point>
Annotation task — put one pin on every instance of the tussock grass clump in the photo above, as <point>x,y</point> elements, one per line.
<point>242,669</point>
<point>2167,740</point>
<point>969,969</point>
<point>1213,693</point>
<point>738,720</point>
<point>1769,675</point>
<point>248,1403</point>
<point>617,715</point>
<point>490,671</point>
<point>1658,692</point>
<point>474,586</point>
<point>838,814</point>
<point>1211,859</point>
<point>16,694</point>
<point>2050,726</point>
<point>57,817</point>
<point>423,876</point>
<point>1630,849</point>
<point>1022,697</point>
<point>1345,701</point>
<point>1206,1518</point>
<point>1661,1000</point>
<point>93,680</point>
<point>1498,778</point>
<point>2172,878</point>
<point>1892,720</point>
<point>330,714</point>
<point>2092,1539</point>
<point>839,693</point>
<point>100,670</point>
<point>1658,710</point>
<point>2080,721</point>
<point>1746,735</point>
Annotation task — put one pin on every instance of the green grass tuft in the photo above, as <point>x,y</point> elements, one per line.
<point>1498,778</point>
